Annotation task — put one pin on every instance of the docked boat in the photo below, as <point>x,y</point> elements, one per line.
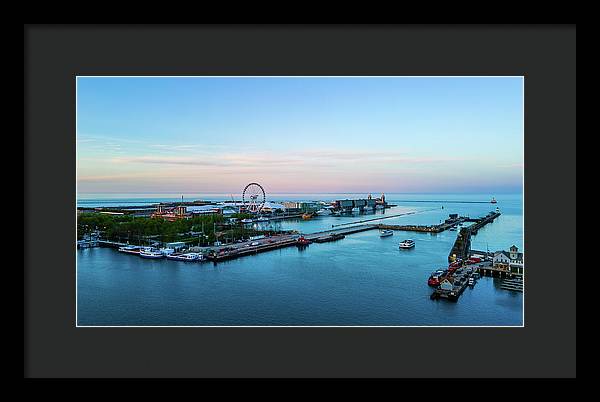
<point>302,241</point>
<point>493,201</point>
<point>186,257</point>
<point>386,233</point>
<point>408,243</point>
<point>473,260</point>
<point>454,266</point>
<point>307,216</point>
<point>471,281</point>
<point>325,211</point>
<point>262,219</point>
<point>130,249</point>
<point>247,220</point>
<point>167,251</point>
<point>150,253</point>
<point>436,277</point>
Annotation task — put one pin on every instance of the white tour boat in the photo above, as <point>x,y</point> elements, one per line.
<point>150,252</point>
<point>407,243</point>
<point>130,249</point>
<point>247,220</point>
<point>167,251</point>
<point>186,257</point>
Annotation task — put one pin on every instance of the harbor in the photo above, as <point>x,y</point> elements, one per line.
<point>465,267</point>
<point>338,236</point>
<point>341,272</point>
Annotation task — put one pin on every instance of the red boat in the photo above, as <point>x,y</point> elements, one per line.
<point>302,241</point>
<point>433,282</point>
<point>473,260</point>
<point>436,277</point>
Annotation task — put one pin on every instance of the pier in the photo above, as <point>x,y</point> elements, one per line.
<point>341,231</point>
<point>449,224</point>
<point>462,244</point>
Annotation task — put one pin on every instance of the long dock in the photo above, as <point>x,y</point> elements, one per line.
<point>424,228</point>
<point>384,217</point>
<point>225,254</point>
<point>462,244</point>
<point>340,231</point>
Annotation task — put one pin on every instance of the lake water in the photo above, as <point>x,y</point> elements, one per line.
<point>360,280</point>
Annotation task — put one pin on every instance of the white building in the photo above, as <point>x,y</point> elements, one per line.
<point>511,259</point>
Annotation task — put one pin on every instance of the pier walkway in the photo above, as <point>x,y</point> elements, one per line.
<point>462,244</point>
<point>341,231</point>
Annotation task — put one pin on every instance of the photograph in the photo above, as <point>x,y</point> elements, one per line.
<point>299,201</point>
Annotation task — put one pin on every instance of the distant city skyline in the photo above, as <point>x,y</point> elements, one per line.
<point>194,135</point>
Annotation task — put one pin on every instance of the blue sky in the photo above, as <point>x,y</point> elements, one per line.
<point>383,134</point>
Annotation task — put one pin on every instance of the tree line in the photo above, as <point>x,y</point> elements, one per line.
<point>200,229</point>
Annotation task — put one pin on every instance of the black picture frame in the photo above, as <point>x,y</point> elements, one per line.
<point>55,54</point>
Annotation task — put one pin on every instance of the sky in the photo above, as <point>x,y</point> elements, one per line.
<point>299,134</point>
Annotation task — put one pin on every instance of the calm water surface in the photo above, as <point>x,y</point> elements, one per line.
<point>360,280</point>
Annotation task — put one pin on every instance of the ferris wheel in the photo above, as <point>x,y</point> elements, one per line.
<point>253,197</point>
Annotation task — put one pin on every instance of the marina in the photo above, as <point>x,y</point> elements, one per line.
<point>231,288</point>
<point>450,284</point>
<point>346,233</point>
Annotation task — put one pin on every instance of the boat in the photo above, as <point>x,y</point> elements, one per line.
<point>167,251</point>
<point>247,220</point>
<point>379,206</point>
<point>307,216</point>
<point>436,277</point>
<point>356,209</point>
<point>455,265</point>
<point>186,257</point>
<point>408,243</point>
<point>262,219</point>
<point>149,252</point>
<point>493,201</point>
<point>471,281</point>
<point>325,211</point>
<point>302,241</point>
<point>130,249</point>
<point>386,233</point>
